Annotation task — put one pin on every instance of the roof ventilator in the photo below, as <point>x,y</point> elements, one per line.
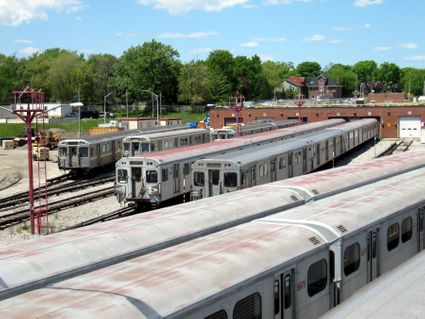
<point>314,240</point>
<point>342,229</point>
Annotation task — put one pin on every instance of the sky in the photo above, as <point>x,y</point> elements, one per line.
<point>324,31</point>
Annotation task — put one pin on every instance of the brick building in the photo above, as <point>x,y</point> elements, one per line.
<point>396,121</point>
<point>314,88</point>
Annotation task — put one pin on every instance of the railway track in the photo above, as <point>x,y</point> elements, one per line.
<point>12,201</point>
<point>393,147</point>
<point>22,215</point>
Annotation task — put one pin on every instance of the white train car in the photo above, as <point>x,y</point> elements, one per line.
<point>139,144</point>
<point>34,264</point>
<point>85,155</point>
<point>296,264</point>
<point>397,294</point>
<point>251,128</point>
<point>162,177</point>
<point>249,167</point>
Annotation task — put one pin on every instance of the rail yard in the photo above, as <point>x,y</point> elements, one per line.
<point>89,219</point>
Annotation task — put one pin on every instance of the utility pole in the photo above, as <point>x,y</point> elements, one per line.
<point>126,100</point>
<point>79,114</point>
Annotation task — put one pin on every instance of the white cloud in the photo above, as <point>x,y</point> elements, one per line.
<point>334,42</point>
<point>266,57</point>
<point>23,41</point>
<point>408,45</point>
<point>127,35</point>
<point>181,6</point>
<point>272,39</point>
<point>250,44</point>
<point>315,37</point>
<point>28,51</point>
<point>367,25</point>
<point>15,12</point>
<point>341,29</point>
<point>415,58</point>
<point>79,19</point>
<point>367,3</point>
<point>382,48</point>
<point>201,51</point>
<point>192,35</point>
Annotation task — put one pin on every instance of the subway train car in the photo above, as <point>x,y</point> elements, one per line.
<point>397,294</point>
<point>84,155</point>
<point>249,167</point>
<point>139,144</point>
<point>251,128</point>
<point>295,264</point>
<point>163,177</point>
<point>33,264</point>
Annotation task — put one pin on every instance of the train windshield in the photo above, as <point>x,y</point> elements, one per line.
<point>84,152</point>
<point>62,151</point>
<point>122,176</point>
<point>230,180</point>
<point>126,146</point>
<point>151,177</point>
<point>198,178</point>
<point>145,147</point>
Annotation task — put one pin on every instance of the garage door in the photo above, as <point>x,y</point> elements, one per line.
<point>410,126</point>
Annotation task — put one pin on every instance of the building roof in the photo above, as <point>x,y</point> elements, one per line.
<point>296,81</point>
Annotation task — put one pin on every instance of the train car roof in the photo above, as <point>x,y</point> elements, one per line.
<point>396,294</point>
<point>171,280</point>
<point>103,137</point>
<point>152,135</point>
<point>354,124</point>
<point>357,208</point>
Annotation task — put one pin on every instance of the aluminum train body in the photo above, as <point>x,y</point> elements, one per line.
<point>34,264</point>
<point>246,168</point>
<point>165,176</point>
<point>294,264</point>
<point>251,128</point>
<point>85,155</point>
<point>139,144</point>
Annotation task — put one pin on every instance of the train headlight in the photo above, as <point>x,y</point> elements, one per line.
<point>155,190</point>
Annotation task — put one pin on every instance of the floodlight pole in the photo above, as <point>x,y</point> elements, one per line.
<point>104,106</point>
<point>157,105</point>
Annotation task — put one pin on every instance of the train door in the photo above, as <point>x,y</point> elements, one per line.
<point>136,178</point>
<point>98,155</point>
<point>327,150</point>
<point>113,150</point>
<point>214,184</point>
<point>372,254</point>
<point>253,175</point>
<point>273,170</point>
<point>284,294</point>
<point>421,224</point>
<point>304,160</point>
<point>290,165</point>
<point>176,174</point>
<point>72,156</point>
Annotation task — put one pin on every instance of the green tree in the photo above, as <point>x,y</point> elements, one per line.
<point>152,66</point>
<point>221,69</point>
<point>366,72</point>
<point>309,69</point>
<point>251,80</point>
<point>193,83</point>
<point>345,76</point>
<point>277,72</point>
<point>11,70</point>
<point>389,76</point>
<point>412,80</point>
<point>219,88</point>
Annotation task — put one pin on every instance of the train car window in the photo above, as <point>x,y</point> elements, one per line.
<point>221,314</point>
<point>144,147</point>
<point>122,176</point>
<point>151,177</point>
<point>393,237</point>
<point>406,229</point>
<point>92,151</point>
<point>152,147</point>
<point>62,151</point>
<point>317,277</point>
<point>199,178</point>
<point>84,152</point>
<point>248,308</point>
<point>126,146</point>
<point>164,174</point>
<point>230,180</point>
<point>186,169</point>
<point>351,259</point>
<point>287,291</point>
<point>276,294</point>
<point>282,163</point>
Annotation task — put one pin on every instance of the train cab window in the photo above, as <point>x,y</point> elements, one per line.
<point>122,176</point>
<point>62,151</point>
<point>248,308</point>
<point>126,146</point>
<point>282,163</point>
<point>287,291</point>
<point>186,169</point>
<point>73,151</point>
<point>317,277</point>
<point>199,178</point>
<point>144,147</point>
<point>151,177</point>
<point>230,180</point>
<point>351,259</point>
<point>276,296</point>
<point>406,229</point>
<point>152,147</point>
<point>84,152</point>
<point>393,237</point>
<point>221,314</point>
